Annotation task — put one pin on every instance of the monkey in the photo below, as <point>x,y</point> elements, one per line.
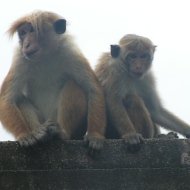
<point>134,108</point>
<point>51,88</point>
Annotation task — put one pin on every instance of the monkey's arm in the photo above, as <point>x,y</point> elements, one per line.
<point>96,118</point>
<point>121,120</point>
<point>96,107</point>
<point>162,116</point>
<point>169,121</point>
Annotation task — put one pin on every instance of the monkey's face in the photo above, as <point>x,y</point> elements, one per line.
<point>29,41</point>
<point>138,63</point>
<point>31,47</point>
<point>40,44</point>
<point>136,53</point>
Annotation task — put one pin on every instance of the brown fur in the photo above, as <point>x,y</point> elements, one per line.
<point>50,84</point>
<point>139,115</point>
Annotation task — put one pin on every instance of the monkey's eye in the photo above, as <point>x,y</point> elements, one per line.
<point>22,33</point>
<point>32,29</point>
<point>132,56</point>
<point>144,56</point>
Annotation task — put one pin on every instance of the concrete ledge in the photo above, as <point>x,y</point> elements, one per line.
<point>159,165</point>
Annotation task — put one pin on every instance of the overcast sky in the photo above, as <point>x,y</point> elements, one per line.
<point>97,24</point>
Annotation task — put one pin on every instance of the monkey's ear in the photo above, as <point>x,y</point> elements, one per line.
<point>154,48</point>
<point>115,50</point>
<point>60,26</point>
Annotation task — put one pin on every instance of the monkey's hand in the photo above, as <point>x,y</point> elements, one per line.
<point>94,144</point>
<point>44,133</point>
<point>52,127</point>
<point>31,140</point>
<point>54,130</point>
<point>133,140</point>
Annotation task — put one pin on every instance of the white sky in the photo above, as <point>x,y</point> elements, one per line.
<point>98,23</point>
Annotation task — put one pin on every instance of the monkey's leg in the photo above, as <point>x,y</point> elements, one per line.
<point>72,111</point>
<point>13,120</point>
<point>139,116</point>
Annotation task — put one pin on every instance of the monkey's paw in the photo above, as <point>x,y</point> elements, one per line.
<point>31,140</point>
<point>134,141</point>
<point>52,127</point>
<point>94,144</point>
<point>54,130</point>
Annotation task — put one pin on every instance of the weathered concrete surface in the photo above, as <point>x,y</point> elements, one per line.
<point>159,165</point>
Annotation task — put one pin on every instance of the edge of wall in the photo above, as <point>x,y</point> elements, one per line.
<point>160,164</point>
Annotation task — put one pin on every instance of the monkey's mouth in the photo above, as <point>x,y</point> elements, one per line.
<point>31,53</point>
<point>137,74</point>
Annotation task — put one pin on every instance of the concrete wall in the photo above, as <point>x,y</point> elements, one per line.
<point>159,165</point>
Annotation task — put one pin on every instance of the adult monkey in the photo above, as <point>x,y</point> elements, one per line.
<point>51,88</point>
<point>133,104</point>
